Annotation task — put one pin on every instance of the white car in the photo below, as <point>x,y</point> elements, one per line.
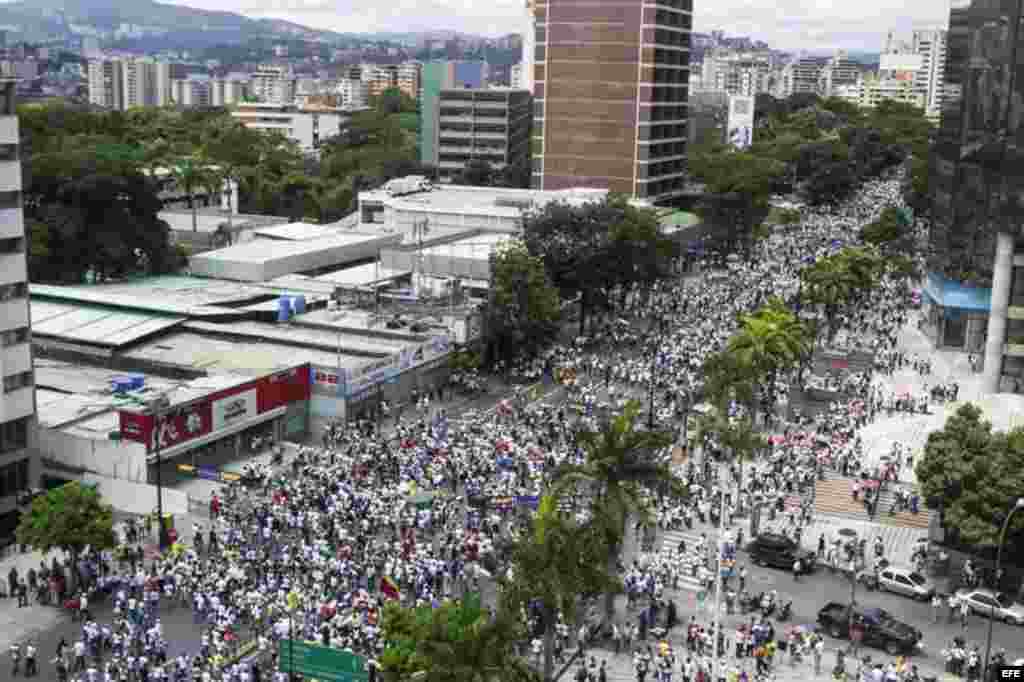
<point>988,603</point>
<point>905,581</point>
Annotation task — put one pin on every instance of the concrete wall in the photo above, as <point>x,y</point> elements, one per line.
<point>123,460</point>
<point>137,498</point>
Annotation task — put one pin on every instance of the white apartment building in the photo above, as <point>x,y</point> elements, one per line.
<point>737,73</point>
<point>409,76</point>
<point>872,88</point>
<point>194,91</point>
<point>838,70</point>
<point>800,75</point>
<point>18,471</point>
<point>106,83</point>
<point>229,90</point>
<point>273,85</point>
<point>140,83</point>
<point>354,93</point>
<point>307,127</point>
<point>931,46</point>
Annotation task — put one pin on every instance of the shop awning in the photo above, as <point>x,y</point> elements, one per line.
<point>949,293</point>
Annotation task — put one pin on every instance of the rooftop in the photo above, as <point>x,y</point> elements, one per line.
<point>298,232</point>
<point>94,324</point>
<point>478,247</point>
<point>258,251</point>
<point>323,339</point>
<point>245,358</point>
<point>492,201</point>
<point>365,321</point>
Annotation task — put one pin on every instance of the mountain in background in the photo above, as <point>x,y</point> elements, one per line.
<point>35,20</point>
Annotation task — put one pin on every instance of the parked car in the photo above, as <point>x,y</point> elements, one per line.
<point>907,582</point>
<point>991,604</point>
<point>778,551</point>
<point>881,629</point>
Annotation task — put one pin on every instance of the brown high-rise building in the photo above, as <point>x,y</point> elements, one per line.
<point>610,84</point>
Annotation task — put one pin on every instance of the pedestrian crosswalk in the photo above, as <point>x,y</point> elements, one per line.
<point>670,539</point>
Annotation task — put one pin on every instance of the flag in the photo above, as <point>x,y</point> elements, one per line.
<point>389,588</point>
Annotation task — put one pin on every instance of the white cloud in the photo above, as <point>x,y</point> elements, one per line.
<point>785,24</point>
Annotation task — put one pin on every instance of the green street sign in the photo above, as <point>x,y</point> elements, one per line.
<point>315,662</point>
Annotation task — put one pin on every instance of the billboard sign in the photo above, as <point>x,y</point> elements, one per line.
<point>176,426</point>
<point>741,121</point>
<point>234,409</point>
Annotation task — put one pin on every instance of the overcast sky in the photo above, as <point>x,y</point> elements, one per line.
<point>784,24</point>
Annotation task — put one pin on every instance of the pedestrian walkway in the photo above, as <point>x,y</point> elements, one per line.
<point>899,542</point>
<point>688,580</point>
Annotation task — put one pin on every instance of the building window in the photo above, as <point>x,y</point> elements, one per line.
<point>12,245</point>
<point>14,478</point>
<point>14,382</point>
<point>13,337</point>
<point>8,152</point>
<point>14,435</point>
<point>9,292</point>
<point>10,200</point>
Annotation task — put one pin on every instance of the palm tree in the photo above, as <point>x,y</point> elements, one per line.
<point>829,283</point>
<point>620,464</point>
<point>738,436</point>
<point>553,565</point>
<point>768,341</point>
<point>190,173</point>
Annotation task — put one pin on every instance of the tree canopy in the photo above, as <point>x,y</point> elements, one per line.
<point>974,474</point>
<point>72,518</point>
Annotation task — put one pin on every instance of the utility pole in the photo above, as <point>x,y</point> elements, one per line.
<point>157,407</point>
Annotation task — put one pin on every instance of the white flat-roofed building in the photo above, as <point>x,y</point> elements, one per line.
<point>460,208</point>
<point>307,127</point>
<point>260,260</point>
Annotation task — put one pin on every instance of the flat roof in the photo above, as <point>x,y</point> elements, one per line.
<point>325,339</point>
<point>362,320</point>
<point>297,231</point>
<point>363,275</point>
<point>491,201</point>
<point>221,356</point>
<point>258,251</point>
<point>94,324</point>
<point>139,295</point>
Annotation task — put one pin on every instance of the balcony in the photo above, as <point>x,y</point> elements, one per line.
<point>10,176</point>
<point>9,130</point>
<point>490,136</point>
<point>454,149</point>
<point>445,118</point>
<point>13,268</point>
<point>14,313</point>
<point>17,404</point>
<point>15,359</point>
<point>12,223</point>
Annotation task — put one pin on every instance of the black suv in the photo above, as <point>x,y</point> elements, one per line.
<point>881,630</point>
<point>778,551</point>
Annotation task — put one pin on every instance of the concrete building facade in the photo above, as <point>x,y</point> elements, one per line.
<point>610,88</point>
<point>307,127</point>
<point>491,125</point>
<point>977,250</point>
<point>273,84</point>
<point>800,75</point>
<point>106,83</point>
<point>18,469</point>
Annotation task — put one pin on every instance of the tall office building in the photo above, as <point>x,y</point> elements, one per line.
<point>975,292</point>
<point>18,470</point>
<point>610,92</point>
<point>106,83</point>
<point>736,73</point>
<point>232,89</point>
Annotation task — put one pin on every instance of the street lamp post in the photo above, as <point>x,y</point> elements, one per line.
<point>1017,506</point>
<point>157,406</point>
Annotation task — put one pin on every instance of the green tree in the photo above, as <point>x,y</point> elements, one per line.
<point>828,283</point>
<point>621,463</point>
<point>72,518</point>
<point>590,249</point>
<point>524,309</point>
<point>457,642</point>
<point>769,341</point>
<point>190,173</point>
<point>830,184</point>
<point>973,474</point>
<point>552,566</point>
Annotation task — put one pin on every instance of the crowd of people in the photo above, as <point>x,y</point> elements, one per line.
<point>426,511</point>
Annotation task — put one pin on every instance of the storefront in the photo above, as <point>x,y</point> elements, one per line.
<point>955,315</point>
<point>228,423</point>
<point>393,379</point>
